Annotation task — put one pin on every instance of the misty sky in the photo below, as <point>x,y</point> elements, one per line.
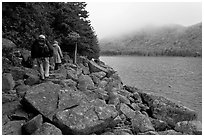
<point>112,18</point>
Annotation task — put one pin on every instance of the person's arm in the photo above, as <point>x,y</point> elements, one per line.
<point>60,51</point>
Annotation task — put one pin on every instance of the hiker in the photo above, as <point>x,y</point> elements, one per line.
<point>41,50</point>
<point>57,54</point>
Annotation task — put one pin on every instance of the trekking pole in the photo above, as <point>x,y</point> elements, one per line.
<point>75,54</point>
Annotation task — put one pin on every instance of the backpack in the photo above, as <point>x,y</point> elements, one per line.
<point>46,50</point>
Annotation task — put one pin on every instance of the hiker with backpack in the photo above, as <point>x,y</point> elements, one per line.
<point>41,50</point>
<point>57,54</point>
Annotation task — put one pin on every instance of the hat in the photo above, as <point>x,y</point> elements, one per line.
<point>55,42</point>
<point>42,36</point>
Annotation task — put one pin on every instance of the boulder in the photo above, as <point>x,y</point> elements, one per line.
<point>47,129</point>
<point>72,74</point>
<point>122,132</point>
<point>10,107</point>
<point>70,83</point>
<point>21,90</point>
<point>6,63</point>
<point>113,97</point>
<point>32,79</point>
<point>127,111</point>
<point>99,75</point>
<point>148,133</point>
<point>89,117</point>
<point>102,94</point>
<point>12,128</point>
<point>21,72</point>
<point>32,125</point>
<point>189,127</point>
<point>85,82</point>
<point>6,43</point>
<point>124,99</point>
<point>69,98</point>
<point>5,119</point>
<point>85,70</point>
<point>125,93</point>
<point>95,79</point>
<point>169,132</point>
<point>60,76</point>
<point>131,89</point>
<point>166,110</point>
<point>7,82</point>
<point>42,98</point>
<point>141,123</point>
<point>137,98</point>
<point>94,67</point>
<point>159,125</point>
<point>19,114</point>
<point>8,97</point>
<point>108,133</point>
<point>135,106</point>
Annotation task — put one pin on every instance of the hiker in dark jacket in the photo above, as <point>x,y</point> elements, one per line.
<point>41,50</point>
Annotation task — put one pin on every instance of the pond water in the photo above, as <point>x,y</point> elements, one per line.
<point>177,78</point>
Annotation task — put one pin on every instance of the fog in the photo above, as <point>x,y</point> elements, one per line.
<point>116,18</point>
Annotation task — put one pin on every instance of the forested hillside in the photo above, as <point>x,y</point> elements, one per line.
<point>169,40</point>
<point>22,22</point>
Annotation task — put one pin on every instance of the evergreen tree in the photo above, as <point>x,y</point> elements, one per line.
<point>24,21</point>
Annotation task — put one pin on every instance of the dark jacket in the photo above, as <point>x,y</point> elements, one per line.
<point>38,50</point>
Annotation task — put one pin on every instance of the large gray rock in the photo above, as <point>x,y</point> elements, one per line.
<point>7,82</point>
<point>141,123</point>
<point>166,110</point>
<point>21,72</point>
<point>159,125</point>
<point>85,82</point>
<point>32,79</point>
<point>48,98</point>
<point>43,98</point>
<point>99,75</point>
<point>21,90</point>
<point>6,43</point>
<point>169,132</point>
<point>94,67</point>
<point>13,128</point>
<point>189,127</point>
<point>47,129</point>
<point>89,117</point>
<point>8,97</point>
<point>127,111</point>
<point>102,94</point>
<point>72,74</point>
<point>32,125</point>
<point>70,83</point>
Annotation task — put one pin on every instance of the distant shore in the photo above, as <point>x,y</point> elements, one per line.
<point>138,53</point>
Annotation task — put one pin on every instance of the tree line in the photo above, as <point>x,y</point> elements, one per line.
<point>22,22</point>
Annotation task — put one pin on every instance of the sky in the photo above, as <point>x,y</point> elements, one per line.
<point>114,18</point>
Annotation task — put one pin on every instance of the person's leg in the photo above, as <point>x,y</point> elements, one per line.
<point>40,67</point>
<point>56,66</point>
<point>47,67</point>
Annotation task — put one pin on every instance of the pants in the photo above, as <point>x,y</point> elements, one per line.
<point>57,65</point>
<point>43,65</point>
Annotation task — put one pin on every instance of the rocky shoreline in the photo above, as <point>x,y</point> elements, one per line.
<point>87,98</point>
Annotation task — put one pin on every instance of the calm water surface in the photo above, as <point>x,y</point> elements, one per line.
<point>177,78</point>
